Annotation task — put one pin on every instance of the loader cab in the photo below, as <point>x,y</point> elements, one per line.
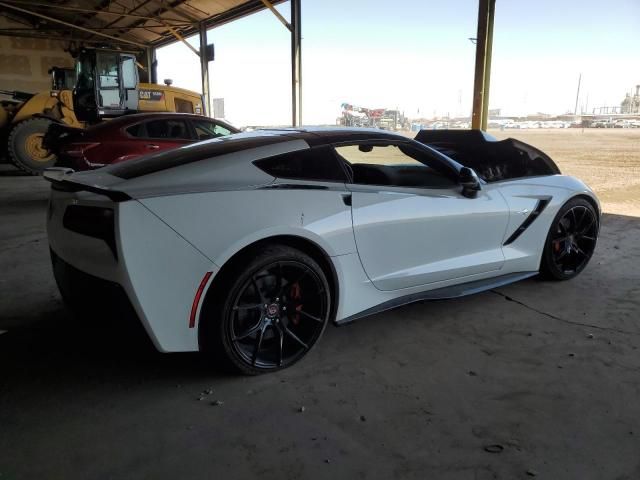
<point>106,84</point>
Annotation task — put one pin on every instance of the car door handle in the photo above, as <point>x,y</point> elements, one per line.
<point>152,146</point>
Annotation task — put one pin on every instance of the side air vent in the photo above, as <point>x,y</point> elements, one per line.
<point>540,206</point>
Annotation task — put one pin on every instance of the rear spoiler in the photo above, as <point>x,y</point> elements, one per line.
<point>58,177</point>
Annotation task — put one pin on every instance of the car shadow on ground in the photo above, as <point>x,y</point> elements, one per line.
<point>62,348</point>
<point>546,370</point>
<point>57,344</point>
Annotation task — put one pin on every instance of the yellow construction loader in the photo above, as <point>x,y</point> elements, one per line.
<point>106,85</point>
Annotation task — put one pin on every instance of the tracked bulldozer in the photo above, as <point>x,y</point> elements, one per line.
<point>105,84</point>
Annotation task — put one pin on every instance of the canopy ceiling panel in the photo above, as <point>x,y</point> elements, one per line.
<point>131,23</point>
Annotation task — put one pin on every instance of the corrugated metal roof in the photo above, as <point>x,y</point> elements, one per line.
<point>128,23</point>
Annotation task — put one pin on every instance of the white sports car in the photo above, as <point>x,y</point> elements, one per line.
<point>249,245</point>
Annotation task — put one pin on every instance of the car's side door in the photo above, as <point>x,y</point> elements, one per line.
<point>411,223</point>
<point>152,136</point>
<point>166,133</point>
<point>108,76</point>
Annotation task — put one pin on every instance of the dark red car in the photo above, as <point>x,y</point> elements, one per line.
<point>131,136</point>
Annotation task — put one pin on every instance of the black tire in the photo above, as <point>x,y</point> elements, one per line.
<point>24,146</point>
<point>261,319</point>
<point>571,240</point>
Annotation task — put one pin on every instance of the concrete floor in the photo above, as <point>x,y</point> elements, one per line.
<point>535,379</point>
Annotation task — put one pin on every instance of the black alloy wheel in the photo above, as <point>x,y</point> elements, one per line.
<point>571,240</point>
<point>275,311</point>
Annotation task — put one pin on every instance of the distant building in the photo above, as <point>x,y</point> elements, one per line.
<point>631,103</point>
<point>218,108</point>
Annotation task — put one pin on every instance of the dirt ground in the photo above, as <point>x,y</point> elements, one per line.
<point>533,380</point>
<point>606,159</point>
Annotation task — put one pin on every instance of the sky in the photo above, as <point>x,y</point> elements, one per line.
<point>415,55</point>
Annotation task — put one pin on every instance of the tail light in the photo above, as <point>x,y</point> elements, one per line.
<point>96,222</point>
<point>79,149</point>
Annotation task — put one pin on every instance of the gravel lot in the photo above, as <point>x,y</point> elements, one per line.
<point>607,159</point>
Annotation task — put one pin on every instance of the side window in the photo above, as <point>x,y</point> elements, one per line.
<point>183,106</point>
<point>169,129</point>
<point>220,130</point>
<point>136,130</point>
<point>129,77</point>
<point>318,164</point>
<point>205,130</point>
<point>394,165</point>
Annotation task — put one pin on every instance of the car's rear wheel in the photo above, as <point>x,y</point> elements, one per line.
<point>273,311</point>
<point>571,240</point>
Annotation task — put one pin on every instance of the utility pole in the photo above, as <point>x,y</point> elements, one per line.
<point>575,110</point>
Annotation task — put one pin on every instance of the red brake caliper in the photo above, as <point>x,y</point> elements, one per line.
<point>296,294</point>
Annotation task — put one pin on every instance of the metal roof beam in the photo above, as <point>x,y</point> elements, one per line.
<point>71,25</point>
<point>54,36</point>
<point>164,8</point>
<point>178,23</point>
<point>182,39</point>
<point>270,6</point>
<point>235,13</point>
<point>171,6</point>
<point>122,15</point>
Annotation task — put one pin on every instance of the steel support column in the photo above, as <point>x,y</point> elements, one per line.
<point>296,64</point>
<point>484,42</point>
<point>154,66</point>
<point>487,65</point>
<point>151,64</point>
<point>204,70</point>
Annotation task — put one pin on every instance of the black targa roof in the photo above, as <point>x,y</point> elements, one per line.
<point>492,160</point>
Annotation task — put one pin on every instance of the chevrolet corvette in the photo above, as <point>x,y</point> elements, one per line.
<point>248,245</point>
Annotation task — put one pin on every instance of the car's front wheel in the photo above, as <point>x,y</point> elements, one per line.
<point>273,309</point>
<point>571,240</point>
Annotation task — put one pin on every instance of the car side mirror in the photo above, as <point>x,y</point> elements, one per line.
<point>469,181</point>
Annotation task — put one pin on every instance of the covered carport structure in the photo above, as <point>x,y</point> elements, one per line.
<point>146,25</point>
<point>534,380</point>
